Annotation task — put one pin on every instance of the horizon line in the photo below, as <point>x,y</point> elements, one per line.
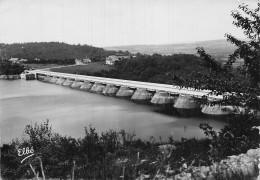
<point>110,46</point>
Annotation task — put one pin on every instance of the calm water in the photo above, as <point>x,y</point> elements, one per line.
<point>69,111</point>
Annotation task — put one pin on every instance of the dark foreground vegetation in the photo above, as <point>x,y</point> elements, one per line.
<point>115,154</point>
<point>96,155</point>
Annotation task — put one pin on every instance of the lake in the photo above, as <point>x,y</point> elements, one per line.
<point>69,111</point>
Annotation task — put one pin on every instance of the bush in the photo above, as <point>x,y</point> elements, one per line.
<point>8,68</point>
<point>100,156</point>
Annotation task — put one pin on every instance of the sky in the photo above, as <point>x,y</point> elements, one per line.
<point>105,23</point>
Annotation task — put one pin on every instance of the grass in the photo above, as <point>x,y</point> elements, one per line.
<point>41,66</point>
<point>88,69</point>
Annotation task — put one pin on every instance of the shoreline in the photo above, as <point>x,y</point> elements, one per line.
<point>10,77</point>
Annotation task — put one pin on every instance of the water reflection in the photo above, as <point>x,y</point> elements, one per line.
<point>69,111</point>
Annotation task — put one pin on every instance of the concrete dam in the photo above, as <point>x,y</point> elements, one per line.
<point>167,96</point>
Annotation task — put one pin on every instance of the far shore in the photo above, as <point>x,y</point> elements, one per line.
<point>10,77</point>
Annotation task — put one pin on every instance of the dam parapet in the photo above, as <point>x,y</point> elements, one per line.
<point>216,110</point>
<point>76,84</point>
<point>125,92</point>
<point>47,79</point>
<point>61,81</point>
<point>161,98</point>
<point>86,86</point>
<point>142,96</point>
<point>187,105</point>
<point>110,90</point>
<point>68,82</point>
<point>40,77</point>
<point>97,88</point>
<point>54,80</point>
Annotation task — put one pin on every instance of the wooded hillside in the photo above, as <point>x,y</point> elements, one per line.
<point>52,50</point>
<point>155,68</point>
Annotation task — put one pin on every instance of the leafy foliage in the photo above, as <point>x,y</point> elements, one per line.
<point>235,138</point>
<point>249,21</point>
<point>155,68</point>
<point>238,135</point>
<point>97,156</point>
<point>8,68</point>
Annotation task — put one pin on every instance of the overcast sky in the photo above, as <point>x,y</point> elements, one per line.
<point>116,22</point>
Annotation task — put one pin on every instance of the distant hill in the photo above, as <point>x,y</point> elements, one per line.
<point>62,51</point>
<point>52,50</point>
<point>217,48</point>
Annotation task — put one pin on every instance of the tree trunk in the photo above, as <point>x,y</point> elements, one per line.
<point>73,170</point>
<point>43,175</point>
<point>33,170</point>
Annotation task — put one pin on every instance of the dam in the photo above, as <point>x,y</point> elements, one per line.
<point>184,100</point>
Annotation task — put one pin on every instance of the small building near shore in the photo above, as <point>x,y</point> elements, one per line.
<point>23,60</point>
<point>82,61</point>
<point>86,60</point>
<point>110,60</point>
<point>14,60</point>
<point>78,62</point>
<point>37,59</point>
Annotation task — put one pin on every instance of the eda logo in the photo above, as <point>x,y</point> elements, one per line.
<point>25,153</point>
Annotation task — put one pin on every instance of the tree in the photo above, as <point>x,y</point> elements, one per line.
<point>238,135</point>
<point>220,80</point>
<point>8,68</point>
<point>249,50</point>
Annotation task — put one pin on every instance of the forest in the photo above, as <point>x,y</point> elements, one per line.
<point>172,69</point>
<point>52,51</point>
<point>156,68</point>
